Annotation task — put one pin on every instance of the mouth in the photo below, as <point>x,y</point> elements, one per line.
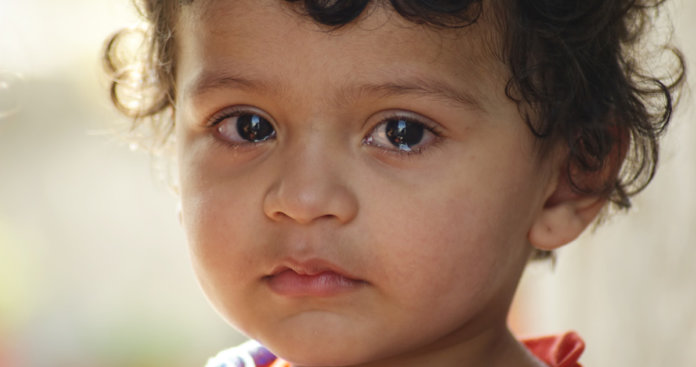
<point>311,279</point>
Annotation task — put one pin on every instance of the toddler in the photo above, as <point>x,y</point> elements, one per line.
<point>363,182</point>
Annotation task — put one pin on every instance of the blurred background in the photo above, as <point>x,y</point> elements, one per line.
<point>94,270</point>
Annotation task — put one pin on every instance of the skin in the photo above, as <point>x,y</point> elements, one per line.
<point>435,238</point>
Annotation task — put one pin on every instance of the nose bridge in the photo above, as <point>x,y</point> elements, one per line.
<point>310,183</point>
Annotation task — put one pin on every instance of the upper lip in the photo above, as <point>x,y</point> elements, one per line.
<point>310,267</point>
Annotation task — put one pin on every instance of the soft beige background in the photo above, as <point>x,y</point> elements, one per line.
<point>93,265</point>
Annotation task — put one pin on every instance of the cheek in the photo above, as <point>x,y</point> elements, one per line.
<point>440,265</point>
<point>432,243</point>
<point>213,237</point>
<point>214,206</point>
<point>225,264</point>
<point>461,240</point>
<point>217,214</point>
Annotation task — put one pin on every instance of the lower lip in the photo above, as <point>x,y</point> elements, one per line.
<point>291,284</point>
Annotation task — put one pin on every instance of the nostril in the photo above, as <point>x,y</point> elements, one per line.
<point>305,214</point>
<point>328,216</point>
<point>279,216</point>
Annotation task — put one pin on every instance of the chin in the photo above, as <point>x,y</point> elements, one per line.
<point>319,352</point>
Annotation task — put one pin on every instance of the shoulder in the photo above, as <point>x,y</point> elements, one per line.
<point>249,354</point>
<point>562,350</point>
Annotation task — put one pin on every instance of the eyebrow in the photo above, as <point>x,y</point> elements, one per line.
<point>208,82</point>
<point>426,87</point>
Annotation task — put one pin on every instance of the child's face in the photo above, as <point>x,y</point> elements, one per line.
<point>385,204</point>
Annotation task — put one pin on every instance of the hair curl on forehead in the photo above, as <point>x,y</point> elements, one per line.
<point>578,75</point>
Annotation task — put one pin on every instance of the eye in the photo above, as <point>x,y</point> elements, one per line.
<point>240,127</point>
<point>402,135</point>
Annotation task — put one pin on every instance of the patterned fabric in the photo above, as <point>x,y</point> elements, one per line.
<point>249,354</point>
<point>556,351</point>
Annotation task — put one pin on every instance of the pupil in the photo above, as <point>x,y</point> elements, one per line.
<point>254,128</point>
<point>404,134</point>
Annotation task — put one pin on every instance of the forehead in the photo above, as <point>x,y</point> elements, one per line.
<point>273,40</point>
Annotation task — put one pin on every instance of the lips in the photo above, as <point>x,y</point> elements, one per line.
<point>311,279</point>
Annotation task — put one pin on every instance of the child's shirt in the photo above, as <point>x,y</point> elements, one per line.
<point>556,351</point>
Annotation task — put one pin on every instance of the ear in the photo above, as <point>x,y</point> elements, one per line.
<point>568,211</point>
<point>564,217</point>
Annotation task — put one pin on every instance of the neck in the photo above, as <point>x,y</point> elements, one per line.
<point>491,348</point>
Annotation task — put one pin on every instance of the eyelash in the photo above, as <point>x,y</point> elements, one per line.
<point>218,117</point>
<point>429,127</point>
<point>236,111</point>
<point>434,129</point>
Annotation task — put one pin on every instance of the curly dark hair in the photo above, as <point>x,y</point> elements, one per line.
<point>577,74</point>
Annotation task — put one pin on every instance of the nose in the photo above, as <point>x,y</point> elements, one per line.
<point>310,186</point>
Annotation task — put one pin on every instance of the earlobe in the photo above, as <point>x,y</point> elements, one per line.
<point>560,222</point>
